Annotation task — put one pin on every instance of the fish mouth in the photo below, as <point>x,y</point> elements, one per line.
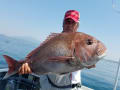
<point>101,50</point>
<point>95,59</point>
<point>103,55</point>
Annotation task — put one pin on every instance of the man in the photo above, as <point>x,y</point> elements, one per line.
<point>70,81</point>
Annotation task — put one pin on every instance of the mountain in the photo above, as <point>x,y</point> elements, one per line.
<point>16,47</point>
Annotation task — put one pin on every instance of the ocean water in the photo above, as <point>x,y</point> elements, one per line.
<point>102,77</point>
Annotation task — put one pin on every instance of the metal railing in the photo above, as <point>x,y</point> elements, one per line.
<point>117,76</point>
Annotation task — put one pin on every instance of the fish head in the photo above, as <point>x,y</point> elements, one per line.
<point>88,49</point>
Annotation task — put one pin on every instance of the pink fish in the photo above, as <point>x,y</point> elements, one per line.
<point>61,53</point>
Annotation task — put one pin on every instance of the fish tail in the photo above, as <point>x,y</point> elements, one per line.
<point>13,66</point>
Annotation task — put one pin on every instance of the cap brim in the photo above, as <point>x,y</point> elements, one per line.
<point>71,18</point>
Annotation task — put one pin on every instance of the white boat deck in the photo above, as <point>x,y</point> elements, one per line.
<point>85,88</point>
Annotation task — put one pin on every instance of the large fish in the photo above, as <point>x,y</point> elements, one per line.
<point>61,53</point>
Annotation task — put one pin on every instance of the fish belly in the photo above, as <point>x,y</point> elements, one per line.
<point>54,67</point>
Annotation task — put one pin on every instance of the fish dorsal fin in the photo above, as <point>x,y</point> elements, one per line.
<point>52,35</point>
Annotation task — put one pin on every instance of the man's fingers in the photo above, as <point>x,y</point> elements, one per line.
<point>26,68</point>
<point>23,69</point>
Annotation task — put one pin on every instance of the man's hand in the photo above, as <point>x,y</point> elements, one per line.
<point>93,66</point>
<point>25,69</point>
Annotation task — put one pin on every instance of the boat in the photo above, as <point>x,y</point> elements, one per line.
<point>22,82</point>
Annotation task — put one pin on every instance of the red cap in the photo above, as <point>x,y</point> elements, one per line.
<point>73,14</point>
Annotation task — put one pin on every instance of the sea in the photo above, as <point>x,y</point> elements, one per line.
<point>102,77</point>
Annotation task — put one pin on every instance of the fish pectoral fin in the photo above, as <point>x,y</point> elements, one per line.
<point>60,58</point>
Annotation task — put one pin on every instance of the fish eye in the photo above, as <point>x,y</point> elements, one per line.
<point>89,42</point>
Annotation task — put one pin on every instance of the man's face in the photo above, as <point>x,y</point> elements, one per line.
<point>70,25</point>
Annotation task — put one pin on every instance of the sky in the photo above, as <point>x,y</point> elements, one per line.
<point>38,18</point>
